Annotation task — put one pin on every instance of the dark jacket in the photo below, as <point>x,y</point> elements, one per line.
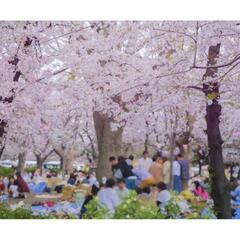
<point>184,169</point>
<point>125,169</point>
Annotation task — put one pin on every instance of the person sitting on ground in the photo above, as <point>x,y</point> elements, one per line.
<point>93,180</point>
<point>13,188</point>
<point>145,162</point>
<point>199,191</point>
<point>121,189</point>
<point>156,170</point>
<point>236,192</point>
<point>86,180</point>
<point>108,196</point>
<point>37,178</point>
<point>145,195</point>
<point>82,176</point>
<point>2,185</point>
<point>11,181</point>
<point>144,178</point>
<point>88,198</point>
<point>72,179</point>
<point>163,195</point>
<point>103,182</point>
<point>121,169</point>
<point>22,185</point>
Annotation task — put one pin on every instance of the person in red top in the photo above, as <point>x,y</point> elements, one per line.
<point>199,191</point>
<point>22,185</point>
<point>2,186</point>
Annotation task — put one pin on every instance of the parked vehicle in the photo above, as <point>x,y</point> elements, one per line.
<point>51,164</point>
<point>7,163</point>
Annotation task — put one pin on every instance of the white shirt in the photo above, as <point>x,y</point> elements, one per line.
<point>37,179</point>
<point>14,190</point>
<point>176,169</point>
<point>163,196</point>
<point>109,198</point>
<point>122,193</point>
<point>144,163</point>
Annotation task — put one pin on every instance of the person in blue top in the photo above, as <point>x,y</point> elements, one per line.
<point>184,163</point>
<point>236,193</point>
<point>72,179</point>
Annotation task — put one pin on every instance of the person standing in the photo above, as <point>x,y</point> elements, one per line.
<point>176,173</point>
<point>184,163</point>
<point>121,169</point>
<point>166,171</point>
<point>156,170</point>
<point>145,162</point>
<point>129,161</point>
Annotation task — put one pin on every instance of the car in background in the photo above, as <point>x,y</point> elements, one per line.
<point>51,165</point>
<point>30,163</point>
<point>7,163</point>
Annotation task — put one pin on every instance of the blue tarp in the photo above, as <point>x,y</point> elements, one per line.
<point>69,208</point>
<point>236,214</point>
<point>37,188</point>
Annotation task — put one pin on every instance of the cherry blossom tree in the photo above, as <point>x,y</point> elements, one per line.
<point>93,87</point>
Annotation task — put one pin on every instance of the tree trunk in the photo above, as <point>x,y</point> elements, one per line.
<point>220,186</point>
<point>39,163</point>
<point>21,162</point>
<point>200,167</point>
<point>3,125</point>
<point>146,142</point>
<point>1,150</point>
<point>61,163</point>
<point>109,143</point>
<point>231,171</point>
<point>68,164</point>
<point>172,149</point>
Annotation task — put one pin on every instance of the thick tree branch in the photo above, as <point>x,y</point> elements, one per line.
<point>219,66</point>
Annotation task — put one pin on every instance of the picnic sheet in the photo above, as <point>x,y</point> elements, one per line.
<point>49,196</point>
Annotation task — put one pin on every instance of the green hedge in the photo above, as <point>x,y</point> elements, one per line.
<point>23,213</point>
<point>30,169</point>
<point>6,172</point>
<point>19,213</point>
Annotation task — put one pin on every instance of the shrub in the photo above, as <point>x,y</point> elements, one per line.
<point>172,209</point>
<point>133,208</point>
<point>19,213</point>
<point>5,213</point>
<point>56,170</point>
<point>22,213</point>
<point>6,172</point>
<point>95,210</point>
<point>30,169</point>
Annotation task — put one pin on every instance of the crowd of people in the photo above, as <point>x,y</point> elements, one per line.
<point>151,178</point>
<point>149,171</point>
<point>14,186</point>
